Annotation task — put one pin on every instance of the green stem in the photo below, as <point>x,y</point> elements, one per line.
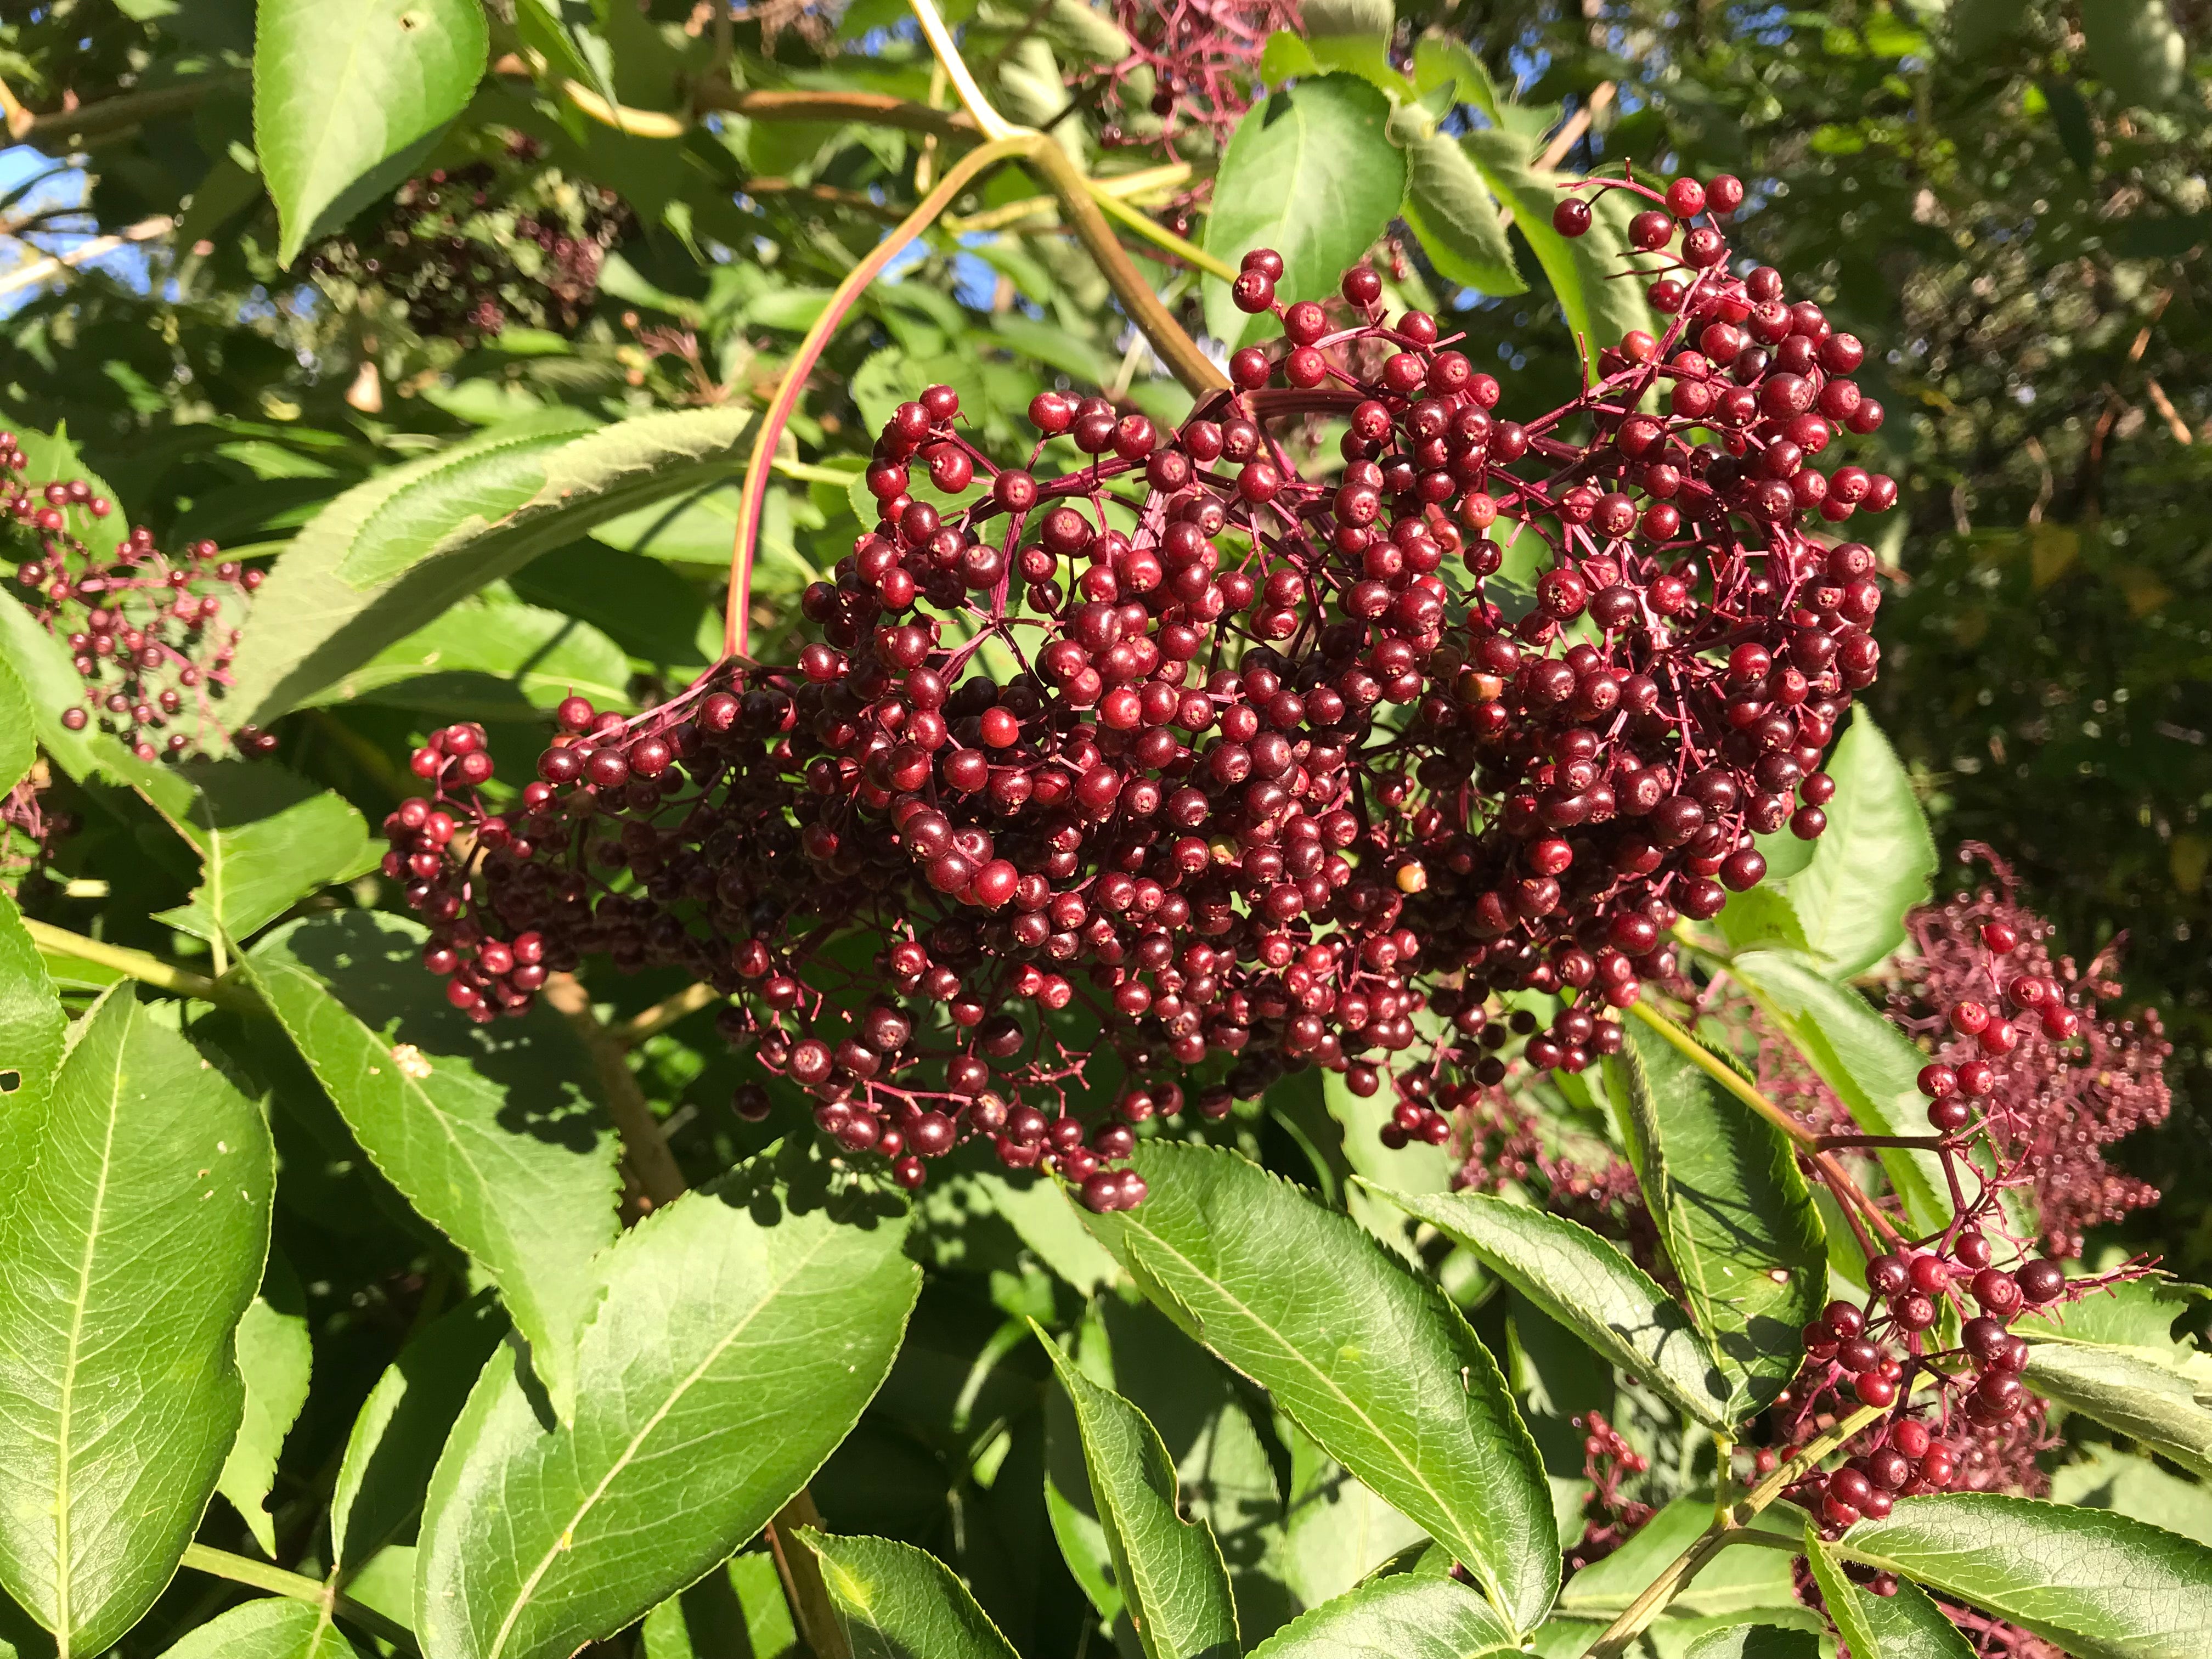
<point>1731,1527</point>
<point>1145,226</point>
<point>261,1575</point>
<point>142,966</point>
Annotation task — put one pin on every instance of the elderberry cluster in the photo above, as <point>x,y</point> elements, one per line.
<point>1186,748</point>
<point>147,630</point>
<point>1977,1420</point>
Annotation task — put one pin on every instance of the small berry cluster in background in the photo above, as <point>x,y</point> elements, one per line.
<point>1170,752</point>
<point>1982,992</point>
<point>1201,58</point>
<point>150,633</point>
<point>465,252</point>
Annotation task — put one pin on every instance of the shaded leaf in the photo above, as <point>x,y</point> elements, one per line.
<point>2109,1478</point>
<point>1754,1642</point>
<point>1845,1601</point>
<point>1735,1582</point>
<point>2100,1585</point>
<point>490,659</point>
<point>738,1612</point>
<point>1874,863</point>
<point>1310,173</point>
<point>1372,1361</point>
<point>1908,1625</point>
<point>1168,1570</point>
<point>1589,1286</point>
<point>1335,1529</point>
<point>1450,209</point>
<point>737,1340</point>
<point>135,1246</point>
<point>898,1602</point>
<point>338,90</point>
<point>488,1134</point>
<point>401,1426</point>
<point>1732,1211</point>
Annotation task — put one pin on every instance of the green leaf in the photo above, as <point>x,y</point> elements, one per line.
<point>2108,1479</point>
<point>1978,26</point>
<point>1586,1283</point>
<point>898,1602</point>
<point>1844,1600</point>
<point>1451,211</point>
<point>1168,1570</point>
<point>338,90</point>
<point>1762,917</point>
<point>1373,1362</point>
<point>1874,863</point>
<point>19,748</point>
<point>2167,1407</point>
<point>401,1425</point>
<point>275,1360</point>
<point>135,1246</point>
<point>737,1338</point>
<point>1754,1642</point>
<point>491,1137</point>
<point>738,1612</point>
<point>1287,57</point>
<point>265,1630</point>
<point>33,1031</point>
<point>390,554</point>
<point>1405,1616</point>
<point>490,659</point>
<point>2100,1585</point>
<point>267,839</point>
<point>2136,50</point>
<point>1732,1210</point>
<point>2069,116</point>
<point>1310,173</point>
<point>1047,1219</point>
<point>1597,309</point>
<point>1908,1625</point>
<point>1335,1529</point>
<point>1354,36</point>
<point>1872,1067</point>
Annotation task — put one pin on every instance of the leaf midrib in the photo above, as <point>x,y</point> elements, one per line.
<point>628,1453</point>
<point>66,1406</point>
<point>1328,1382</point>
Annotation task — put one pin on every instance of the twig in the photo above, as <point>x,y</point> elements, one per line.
<point>1730,1529</point>
<point>243,1569</point>
<point>1574,126</point>
<point>645,1149</point>
<point>112,116</point>
<point>144,966</point>
<point>801,1572</point>
<point>664,1013</point>
<point>37,270</point>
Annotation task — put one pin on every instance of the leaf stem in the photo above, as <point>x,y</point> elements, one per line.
<point>260,1575</point>
<point>144,966</point>
<point>994,125</point>
<point>1732,1528</point>
<point>645,1148</point>
<point>735,617</point>
<point>1189,253</point>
